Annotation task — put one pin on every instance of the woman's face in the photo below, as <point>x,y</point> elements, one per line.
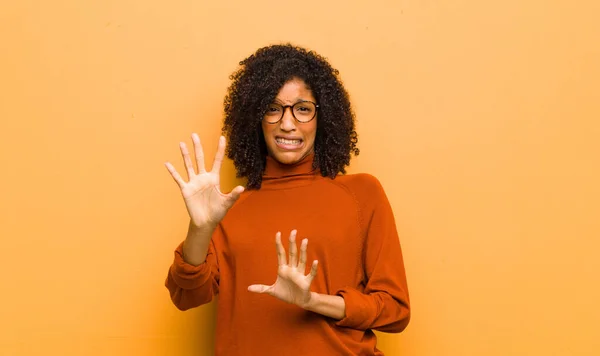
<point>289,141</point>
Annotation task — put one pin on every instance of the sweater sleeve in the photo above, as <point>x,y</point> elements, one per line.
<point>191,286</point>
<point>383,305</point>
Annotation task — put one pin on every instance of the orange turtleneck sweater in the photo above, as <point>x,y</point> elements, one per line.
<point>351,231</point>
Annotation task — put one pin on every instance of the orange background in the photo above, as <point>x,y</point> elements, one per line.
<point>481,119</point>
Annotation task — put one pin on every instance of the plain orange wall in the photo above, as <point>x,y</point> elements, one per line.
<point>480,118</point>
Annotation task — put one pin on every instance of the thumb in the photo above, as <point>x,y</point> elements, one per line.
<point>258,288</point>
<point>234,195</point>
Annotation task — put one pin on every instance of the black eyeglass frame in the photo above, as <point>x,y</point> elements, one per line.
<point>284,108</point>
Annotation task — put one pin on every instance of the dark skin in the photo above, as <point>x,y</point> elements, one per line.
<point>284,74</point>
<point>254,87</point>
<point>206,204</point>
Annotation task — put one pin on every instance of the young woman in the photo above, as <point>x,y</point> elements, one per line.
<point>290,128</point>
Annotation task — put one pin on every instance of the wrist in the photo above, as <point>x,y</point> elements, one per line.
<point>313,302</point>
<point>201,228</point>
<point>332,306</point>
<point>195,245</point>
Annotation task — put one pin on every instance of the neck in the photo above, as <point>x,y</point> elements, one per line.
<point>278,174</point>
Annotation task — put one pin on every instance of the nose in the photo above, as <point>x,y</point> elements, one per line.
<point>287,123</point>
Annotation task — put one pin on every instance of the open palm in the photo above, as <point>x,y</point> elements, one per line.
<point>204,201</point>
<point>292,285</point>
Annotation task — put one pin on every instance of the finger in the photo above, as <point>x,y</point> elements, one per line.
<point>219,156</point>
<point>189,166</point>
<point>199,153</point>
<point>313,271</point>
<point>259,288</point>
<point>293,249</point>
<point>280,250</point>
<point>302,261</point>
<point>180,182</point>
<point>235,194</point>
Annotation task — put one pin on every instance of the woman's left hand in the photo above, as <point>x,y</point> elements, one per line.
<point>292,285</point>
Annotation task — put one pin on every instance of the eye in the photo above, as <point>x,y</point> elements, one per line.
<point>274,109</point>
<point>304,108</point>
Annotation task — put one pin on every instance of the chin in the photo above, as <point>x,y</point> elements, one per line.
<point>288,157</point>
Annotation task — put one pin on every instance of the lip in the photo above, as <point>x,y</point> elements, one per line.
<point>289,147</point>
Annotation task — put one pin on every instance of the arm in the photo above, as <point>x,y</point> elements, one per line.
<point>332,306</point>
<point>193,277</point>
<point>383,305</point>
<point>197,241</point>
<point>189,284</point>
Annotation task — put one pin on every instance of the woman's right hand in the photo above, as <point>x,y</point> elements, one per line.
<point>205,202</point>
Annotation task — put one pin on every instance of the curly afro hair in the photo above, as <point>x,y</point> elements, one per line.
<point>256,84</point>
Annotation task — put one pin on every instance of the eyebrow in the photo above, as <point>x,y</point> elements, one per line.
<point>296,102</point>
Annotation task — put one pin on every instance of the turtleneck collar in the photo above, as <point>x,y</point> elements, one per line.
<point>279,175</point>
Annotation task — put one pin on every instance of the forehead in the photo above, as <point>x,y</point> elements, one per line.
<point>294,90</point>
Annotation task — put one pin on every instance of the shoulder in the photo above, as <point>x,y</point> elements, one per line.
<point>360,183</point>
<point>366,189</point>
<point>368,194</point>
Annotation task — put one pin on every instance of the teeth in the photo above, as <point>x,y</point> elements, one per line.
<point>288,142</point>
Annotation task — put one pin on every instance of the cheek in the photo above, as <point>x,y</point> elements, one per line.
<point>265,130</point>
<point>312,131</point>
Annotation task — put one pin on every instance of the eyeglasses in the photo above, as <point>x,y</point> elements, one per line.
<point>302,111</point>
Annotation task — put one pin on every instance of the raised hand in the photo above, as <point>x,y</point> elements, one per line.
<point>292,285</point>
<point>205,202</point>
